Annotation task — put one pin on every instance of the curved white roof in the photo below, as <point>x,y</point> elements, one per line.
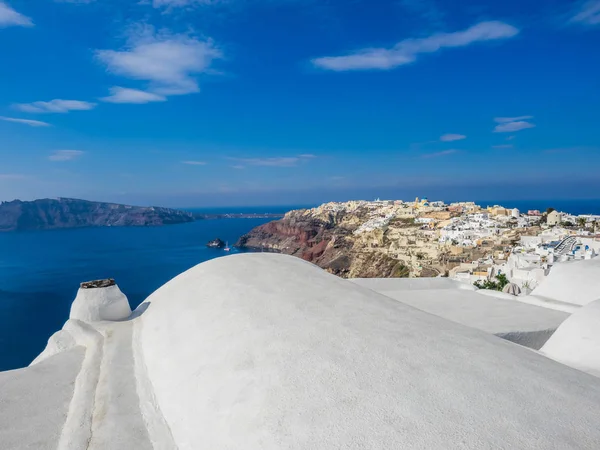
<point>575,282</point>
<point>269,352</point>
<point>577,341</point>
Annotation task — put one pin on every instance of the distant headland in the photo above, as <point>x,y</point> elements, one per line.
<point>47,214</point>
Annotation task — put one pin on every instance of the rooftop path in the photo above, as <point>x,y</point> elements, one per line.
<point>516,321</point>
<point>117,421</point>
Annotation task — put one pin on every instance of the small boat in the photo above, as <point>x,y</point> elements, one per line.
<point>227,249</point>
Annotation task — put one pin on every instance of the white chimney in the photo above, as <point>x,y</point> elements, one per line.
<point>100,300</point>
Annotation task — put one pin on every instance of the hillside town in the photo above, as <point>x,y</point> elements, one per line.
<point>471,243</point>
<point>521,245</point>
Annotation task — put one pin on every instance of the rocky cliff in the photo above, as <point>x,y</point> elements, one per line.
<point>71,213</point>
<point>355,239</point>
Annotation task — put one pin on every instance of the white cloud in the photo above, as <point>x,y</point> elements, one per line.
<point>238,167</point>
<point>290,161</point>
<point>511,119</point>
<point>588,14</point>
<point>31,123</point>
<point>10,17</point>
<point>452,137</point>
<point>503,146</point>
<point>284,161</point>
<point>65,155</point>
<point>55,106</point>
<point>406,51</point>
<point>438,154</point>
<point>269,162</point>
<point>126,95</point>
<point>167,62</point>
<point>512,124</point>
<point>511,127</point>
<point>194,163</point>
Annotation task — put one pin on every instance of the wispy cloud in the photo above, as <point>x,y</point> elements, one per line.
<point>407,51</point>
<point>238,167</point>
<point>511,119</point>
<point>31,123</point>
<point>9,17</point>
<point>55,106</point>
<point>65,155</point>
<point>194,163</point>
<point>126,95</point>
<point>286,161</point>
<point>512,124</point>
<point>438,154</point>
<point>512,127</point>
<point>269,162</point>
<point>510,138</point>
<point>502,146</point>
<point>168,62</point>
<point>588,13</point>
<point>452,137</point>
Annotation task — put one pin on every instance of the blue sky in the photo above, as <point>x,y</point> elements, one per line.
<point>232,102</point>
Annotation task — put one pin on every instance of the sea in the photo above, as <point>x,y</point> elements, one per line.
<point>40,271</point>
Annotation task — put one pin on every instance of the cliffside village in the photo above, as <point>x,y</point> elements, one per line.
<point>471,243</point>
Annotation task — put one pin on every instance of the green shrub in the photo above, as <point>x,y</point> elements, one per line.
<point>498,285</point>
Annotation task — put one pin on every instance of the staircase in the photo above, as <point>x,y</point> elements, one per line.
<point>566,246</point>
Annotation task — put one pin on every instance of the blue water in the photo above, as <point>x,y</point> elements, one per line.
<point>40,271</point>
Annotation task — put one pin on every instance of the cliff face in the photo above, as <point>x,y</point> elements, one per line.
<point>306,235</point>
<point>71,213</point>
<point>353,240</point>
